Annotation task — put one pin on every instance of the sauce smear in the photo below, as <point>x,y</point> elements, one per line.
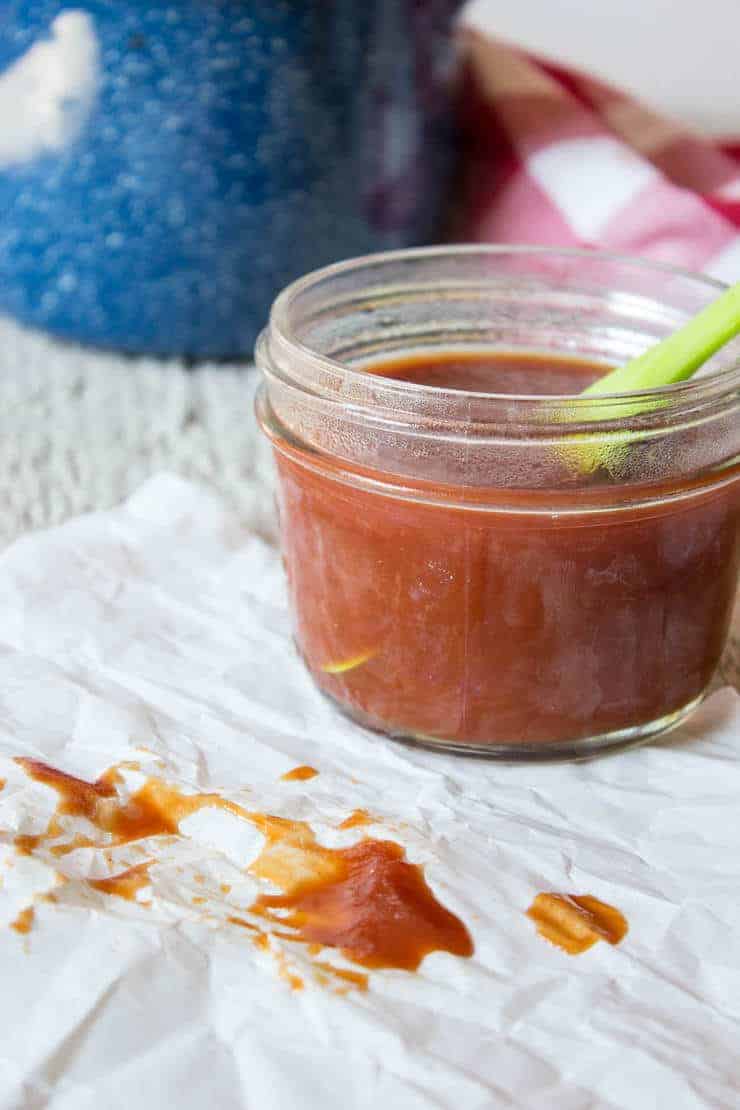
<point>356,818</point>
<point>327,972</point>
<point>24,920</point>
<point>26,844</point>
<point>575,922</point>
<point>367,900</point>
<point>299,774</point>
<point>126,885</point>
<point>156,809</point>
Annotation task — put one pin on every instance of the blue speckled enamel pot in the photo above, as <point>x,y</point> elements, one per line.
<point>166,168</point>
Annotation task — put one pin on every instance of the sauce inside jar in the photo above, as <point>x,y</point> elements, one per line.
<point>538,375</point>
<point>464,624</point>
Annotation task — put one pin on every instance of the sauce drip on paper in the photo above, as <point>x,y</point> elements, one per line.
<point>24,920</point>
<point>126,885</point>
<point>367,900</point>
<point>156,809</point>
<point>575,922</point>
<point>356,818</point>
<point>299,774</point>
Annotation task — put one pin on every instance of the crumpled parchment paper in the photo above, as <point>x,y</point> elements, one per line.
<point>158,632</point>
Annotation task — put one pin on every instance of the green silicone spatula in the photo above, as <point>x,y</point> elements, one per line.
<point>672,360</point>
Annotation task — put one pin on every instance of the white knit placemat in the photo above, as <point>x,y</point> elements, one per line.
<point>81,429</point>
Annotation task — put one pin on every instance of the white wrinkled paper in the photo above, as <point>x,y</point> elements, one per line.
<point>159,632</point>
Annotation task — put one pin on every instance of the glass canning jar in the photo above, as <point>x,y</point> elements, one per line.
<point>455,579</point>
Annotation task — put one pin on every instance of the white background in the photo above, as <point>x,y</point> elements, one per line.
<point>682,56</point>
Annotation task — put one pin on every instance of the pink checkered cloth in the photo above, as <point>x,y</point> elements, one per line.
<point>557,157</point>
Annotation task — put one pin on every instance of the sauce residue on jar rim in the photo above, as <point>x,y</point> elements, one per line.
<point>365,901</point>
<point>575,922</point>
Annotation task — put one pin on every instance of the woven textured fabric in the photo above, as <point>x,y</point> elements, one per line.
<point>81,429</point>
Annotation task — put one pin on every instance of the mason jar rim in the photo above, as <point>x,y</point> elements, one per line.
<point>319,398</point>
<point>714,385</point>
